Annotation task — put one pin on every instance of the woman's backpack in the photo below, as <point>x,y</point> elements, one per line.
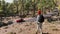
<point>41,19</point>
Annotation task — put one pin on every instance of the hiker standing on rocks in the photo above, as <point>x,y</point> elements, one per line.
<point>40,20</point>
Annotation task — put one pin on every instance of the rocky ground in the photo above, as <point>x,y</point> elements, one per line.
<point>18,28</point>
<point>31,28</point>
<point>51,28</point>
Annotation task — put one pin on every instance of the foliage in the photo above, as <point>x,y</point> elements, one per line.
<point>25,5</point>
<point>46,3</point>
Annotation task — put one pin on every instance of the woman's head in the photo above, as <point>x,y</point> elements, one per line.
<point>39,12</point>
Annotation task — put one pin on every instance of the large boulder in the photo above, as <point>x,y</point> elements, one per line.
<point>2,24</point>
<point>10,22</point>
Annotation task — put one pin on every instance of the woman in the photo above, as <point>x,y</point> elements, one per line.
<point>40,20</point>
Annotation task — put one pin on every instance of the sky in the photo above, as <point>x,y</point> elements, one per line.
<point>10,1</point>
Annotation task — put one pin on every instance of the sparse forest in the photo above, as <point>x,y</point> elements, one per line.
<point>24,7</point>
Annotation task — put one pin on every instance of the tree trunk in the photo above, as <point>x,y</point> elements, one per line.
<point>28,11</point>
<point>17,10</point>
<point>34,11</point>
